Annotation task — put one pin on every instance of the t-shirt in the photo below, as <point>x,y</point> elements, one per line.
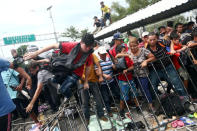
<point>44,76</point>
<point>98,23</point>
<point>129,63</point>
<point>92,76</point>
<point>137,60</point>
<point>6,103</point>
<point>105,9</point>
<point>175,57</point>
<point>107,69</point>
<point>160,53</point>
<point>66,47</point>
<point>10,78</point>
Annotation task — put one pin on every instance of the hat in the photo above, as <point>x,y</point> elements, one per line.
<point>102,50</point>
<point>145,33</point>
<point>118,36</point>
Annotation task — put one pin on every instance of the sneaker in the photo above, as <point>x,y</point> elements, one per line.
<point>103,118</point>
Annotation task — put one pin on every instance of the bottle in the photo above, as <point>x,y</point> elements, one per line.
<point>25,94</point>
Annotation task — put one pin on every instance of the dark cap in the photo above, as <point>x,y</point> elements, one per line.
<point>88,39</point>
<point>118,36</point>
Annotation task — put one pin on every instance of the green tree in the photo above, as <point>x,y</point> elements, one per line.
<point>21,50</point>
<point>74,34</point>
<point>119,12</point>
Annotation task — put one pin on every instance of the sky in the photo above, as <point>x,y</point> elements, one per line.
<point>23,17</point>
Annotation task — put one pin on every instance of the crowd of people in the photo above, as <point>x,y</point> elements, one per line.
<point>123,73</point>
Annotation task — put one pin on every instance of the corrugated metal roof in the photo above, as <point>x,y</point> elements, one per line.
<point>153,13</point>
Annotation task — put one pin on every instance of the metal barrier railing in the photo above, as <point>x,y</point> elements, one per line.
<point>76,124</point>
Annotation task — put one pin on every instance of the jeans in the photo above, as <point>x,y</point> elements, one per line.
<point>173,77</point>
<point>145,87</point>
<point>69,82</point>
<point>94,90</point>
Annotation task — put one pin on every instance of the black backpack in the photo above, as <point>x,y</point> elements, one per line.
<point>169,109</point>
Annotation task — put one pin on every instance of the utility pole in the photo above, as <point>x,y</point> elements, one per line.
<point>50,13</point>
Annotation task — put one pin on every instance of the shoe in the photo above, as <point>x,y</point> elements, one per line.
<point>110,114</point>
<point>103,118</point>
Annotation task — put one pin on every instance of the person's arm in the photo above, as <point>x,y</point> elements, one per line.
<point>87,73</point>
<point>22,72</point>
<point>150,58</point>
<point>36,53</point>
<point>98,69</point>
<point>20,86</point>
<point>122,55</point>
<point>43,61</point>
<point>128,69</point>
<point>172,51</point>
<point>37,93</point>
<point>182,49</point>
<point>191,44</point>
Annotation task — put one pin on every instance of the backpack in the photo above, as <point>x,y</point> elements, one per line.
<point>169,109</point>
<point>62,65</point>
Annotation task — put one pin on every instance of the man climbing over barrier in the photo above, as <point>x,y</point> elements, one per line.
<point>74,58</point>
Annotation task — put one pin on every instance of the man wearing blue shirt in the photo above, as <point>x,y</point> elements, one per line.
<point>6,104</point>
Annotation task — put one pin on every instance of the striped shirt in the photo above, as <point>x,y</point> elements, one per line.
<point>160,53</point>
<point>107,69</point>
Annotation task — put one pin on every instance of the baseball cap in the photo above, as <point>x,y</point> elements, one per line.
<point>118,36</point>
<point>102,50</point>
<point>145,33</point>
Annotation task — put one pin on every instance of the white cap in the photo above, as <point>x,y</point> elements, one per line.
<point>145,33</point>
<point>102,50</point>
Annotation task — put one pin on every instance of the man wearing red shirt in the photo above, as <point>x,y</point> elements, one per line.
<point>84,47</point>
<point>118,40</point>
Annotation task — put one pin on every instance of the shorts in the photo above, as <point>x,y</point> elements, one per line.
<point>126,90</point>
<point>183,73</point>
<point>107,16</point>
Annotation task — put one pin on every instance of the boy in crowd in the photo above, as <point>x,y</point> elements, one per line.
<point>97,23</point>
<point>176,49</point>
<point>124,83</point>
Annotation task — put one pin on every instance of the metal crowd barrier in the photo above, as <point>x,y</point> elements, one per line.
<point>72,123</point>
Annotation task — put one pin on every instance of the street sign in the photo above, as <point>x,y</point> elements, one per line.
<point>19,39</point>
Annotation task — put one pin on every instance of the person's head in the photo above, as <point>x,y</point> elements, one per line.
<point>118,39</point>
<point>133,44</point>
<point>179,27</point>
<point>32,48</point>
<point>102,4</point>
<point>120,49</point>
<point>162,29</point>
<point>174,36</point>
<point>14,53</point>
<point>152,39</point>
<point>95,18</point>
<point>102,52</point>
<point>33,67</point>
<point>87,42</point>
<point>190,25</point>
<point>145,36</point>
